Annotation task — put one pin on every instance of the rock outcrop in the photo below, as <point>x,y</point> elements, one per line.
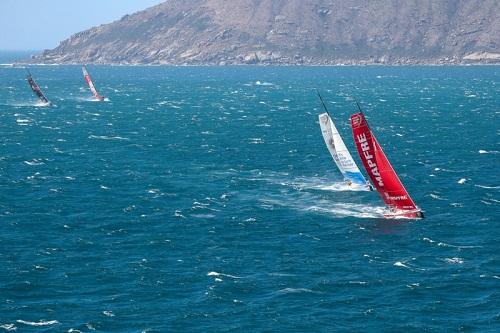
<point>221,32</point>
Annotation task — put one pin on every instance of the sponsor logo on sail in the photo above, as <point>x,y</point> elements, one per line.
<point>365,147</point>
<point>356,120</point>
<point>396,198</point>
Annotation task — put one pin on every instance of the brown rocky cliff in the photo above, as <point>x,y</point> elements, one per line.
<point>293,32</point>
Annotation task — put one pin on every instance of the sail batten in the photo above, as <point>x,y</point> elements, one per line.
<point>88,79</point>
<point>340,153</point>
<point>381,172</point>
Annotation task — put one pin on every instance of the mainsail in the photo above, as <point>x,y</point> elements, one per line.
<point>36,89</point>
<point>87,77</point>
<point>381,172</point>
<point>339,152</point>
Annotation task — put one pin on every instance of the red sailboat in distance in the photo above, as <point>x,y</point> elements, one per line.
<point>381,173</point>
<point>87,77</point>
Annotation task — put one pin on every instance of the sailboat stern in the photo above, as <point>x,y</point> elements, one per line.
<point>415,214</point>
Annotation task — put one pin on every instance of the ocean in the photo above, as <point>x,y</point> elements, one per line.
<point>203,199</point>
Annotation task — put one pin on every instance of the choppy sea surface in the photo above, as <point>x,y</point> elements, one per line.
<point>203,199</point>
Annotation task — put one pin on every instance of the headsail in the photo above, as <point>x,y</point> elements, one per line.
<point>87,77</point>
<point>381,172</point>
<point>36,89</point>
<point>339,152</point>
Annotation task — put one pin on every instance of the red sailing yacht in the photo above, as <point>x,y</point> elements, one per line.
<point>382,174</point>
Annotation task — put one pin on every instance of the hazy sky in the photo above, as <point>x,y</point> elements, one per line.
<point>42,24</point>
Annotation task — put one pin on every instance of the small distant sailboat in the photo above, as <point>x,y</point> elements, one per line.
<point>36,89</point>
<point>339,152</point>
<point>381,172</point>
<point>87,77</point>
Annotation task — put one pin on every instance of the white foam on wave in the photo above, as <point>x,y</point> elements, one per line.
<point>217,274</point>
<point>23,122</point>
<point>437,197</point>
<point>462,181</point>
<point>297,291</point>
<point>8,327</point>
<point>260,83</point>
<point>400,264</point>
<point>335,209</point>
<point>178,213</point>
<point>42,104</point>
<point>454,260</point>
<point>322,184</point>
<point>489,152</point>
<point>34,162</point>
<point>104,137</point>
<point>350,210</point>
<point>488,187</point>
<point>39,323</point>
<point>442,244</point>
<point>108,313</point>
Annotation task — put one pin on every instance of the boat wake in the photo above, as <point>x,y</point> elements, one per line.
<point>321,184</point>
<point>327,207</point>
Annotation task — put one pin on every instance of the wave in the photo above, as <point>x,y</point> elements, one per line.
<point>34,162</point>
<point>454,260</point>
<point>297,291</point>
<point>318,183</point>
<point>260,83</point>
<point>104,137</point>
<point>39,323</point>
<point>217,274</point>
<point>328,207</point>
<point>488,187</point>
<point>442,244</point>
<point>8,327</point>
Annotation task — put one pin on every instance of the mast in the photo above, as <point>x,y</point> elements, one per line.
<point>323,102</point>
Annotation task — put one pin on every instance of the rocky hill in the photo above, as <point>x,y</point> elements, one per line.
<point>293,32</point>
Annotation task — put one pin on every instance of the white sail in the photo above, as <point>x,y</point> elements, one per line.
<point>339,152</point>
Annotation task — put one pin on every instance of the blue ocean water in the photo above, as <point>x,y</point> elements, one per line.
<point>204,199</point>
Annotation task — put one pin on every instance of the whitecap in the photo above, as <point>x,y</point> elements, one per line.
<point>462,181</point>
<point>297,291</point>
<point>400,264</point>
<point>454,260</point>
<point>437,197</point>
<point>358,282</point>
<point>23,122</point>
<point>488,187</point>
<point>8,327</point>
<point>103,137</point>
<point>177,213</point>
<point>34,162</point>
<point>39,323</point>
<point>217,274</point>
<point>108,313</point>
<point>259,83</point>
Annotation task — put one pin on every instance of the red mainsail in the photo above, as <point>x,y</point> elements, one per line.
<point>380,170</point>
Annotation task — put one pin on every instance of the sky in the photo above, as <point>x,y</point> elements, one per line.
<point>42,24</point>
